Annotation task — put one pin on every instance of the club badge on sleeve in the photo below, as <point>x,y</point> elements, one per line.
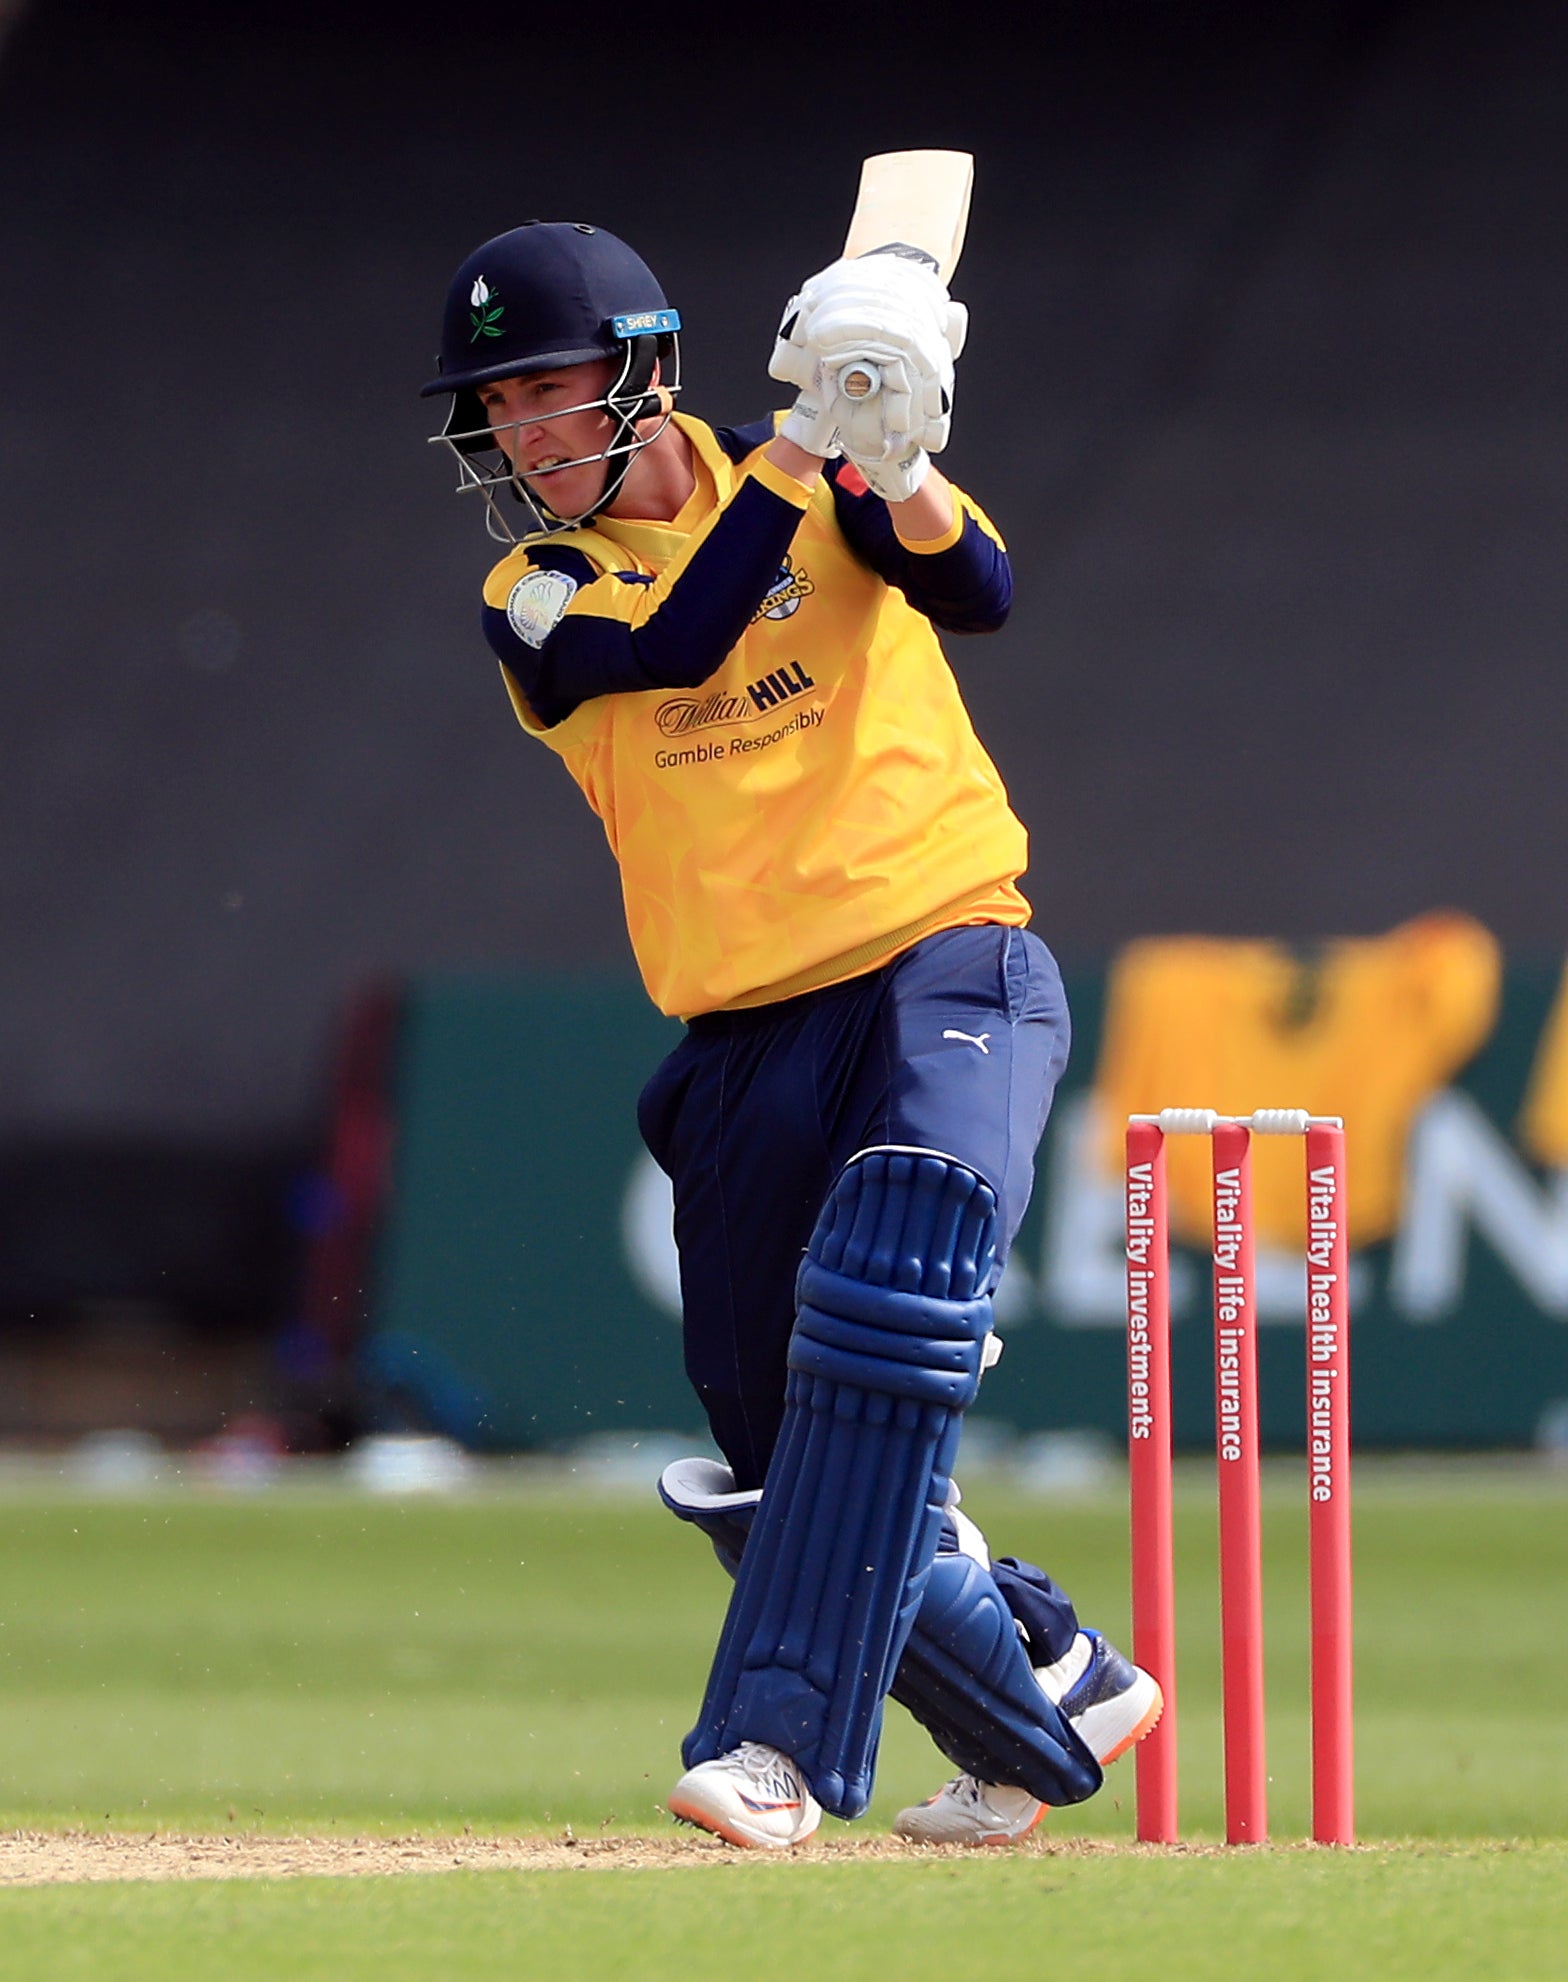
<point>535,604</point>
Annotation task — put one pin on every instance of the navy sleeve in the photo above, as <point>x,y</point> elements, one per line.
<point>683,641</point>
<point>738,442</point>
<point>966,588</point>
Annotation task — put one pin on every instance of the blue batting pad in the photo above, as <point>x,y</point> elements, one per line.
<point>966,1677</point>
<point>893,1310</point>
<point>965,1673</point>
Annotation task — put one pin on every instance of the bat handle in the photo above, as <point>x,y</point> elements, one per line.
<point>858,378</point>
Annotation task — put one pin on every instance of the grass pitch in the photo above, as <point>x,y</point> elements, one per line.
<point>1494,1914</point>
<point>526,1662</point>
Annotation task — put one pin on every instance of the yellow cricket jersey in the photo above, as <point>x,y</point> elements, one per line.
<point>768,729</point>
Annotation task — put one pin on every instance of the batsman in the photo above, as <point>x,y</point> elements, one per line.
<point>730,637</point>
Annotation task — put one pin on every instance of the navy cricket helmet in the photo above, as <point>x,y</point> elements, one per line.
<point>544,295</point>
<point>549,293</point>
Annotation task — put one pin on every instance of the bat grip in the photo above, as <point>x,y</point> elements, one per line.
<point>858,378</point>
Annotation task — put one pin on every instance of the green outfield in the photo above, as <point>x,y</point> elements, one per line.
<point>525,1660</point>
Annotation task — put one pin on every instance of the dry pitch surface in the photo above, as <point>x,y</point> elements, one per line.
<point>44,1858</point>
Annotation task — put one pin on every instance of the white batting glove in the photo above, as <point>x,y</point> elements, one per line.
<point>884,404</point>
<point>895,341</point>
<point>891,282</point>
<point>887,324</point>
<point>811,422</point>
<point>896,480</point>
<point>791,361</point>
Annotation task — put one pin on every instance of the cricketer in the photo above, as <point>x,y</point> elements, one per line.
<point>730,638</point>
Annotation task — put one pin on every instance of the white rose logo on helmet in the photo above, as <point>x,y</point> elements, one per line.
<point>485,316</point>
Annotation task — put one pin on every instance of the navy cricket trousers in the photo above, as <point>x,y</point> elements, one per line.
<point>956,1045</point>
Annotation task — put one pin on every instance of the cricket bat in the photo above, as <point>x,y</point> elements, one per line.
<point>914,203</point>
<point>916,200</point>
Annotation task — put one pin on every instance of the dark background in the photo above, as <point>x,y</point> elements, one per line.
<point>1265,388</point>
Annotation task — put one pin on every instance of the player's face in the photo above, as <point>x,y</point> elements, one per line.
<point>548,420</point>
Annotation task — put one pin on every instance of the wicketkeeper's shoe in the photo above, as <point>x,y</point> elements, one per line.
<point>1110,1701</point>
<point>753,1796</point>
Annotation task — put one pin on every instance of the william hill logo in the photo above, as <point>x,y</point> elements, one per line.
<point>789,588</point>
<point>684,713</point>
<point>782,685</point>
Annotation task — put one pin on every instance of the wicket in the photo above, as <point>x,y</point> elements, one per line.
<point>1236,1455</point>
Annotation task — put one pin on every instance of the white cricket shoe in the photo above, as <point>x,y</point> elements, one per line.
<point>753,1796</point>
<point>968,1811</point>
<point>1110,1701</point>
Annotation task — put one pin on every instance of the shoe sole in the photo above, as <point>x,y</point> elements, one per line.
<point>1145,1725</point>
<point>1000,1840</point>
<point>705,1820</point>
<point>992,1841</point>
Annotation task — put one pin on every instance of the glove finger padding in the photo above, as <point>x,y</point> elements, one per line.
<point>933,413</point>
<point>881,292</point>
<point>811,422</point>
<point>880,283</point>
<point>914,372</point>
<point>881,423</point>
<point>791,361</point>
<point>849,321</point>
<point>886,312</point>
<point>957,328</point>
<point>907,409</point>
